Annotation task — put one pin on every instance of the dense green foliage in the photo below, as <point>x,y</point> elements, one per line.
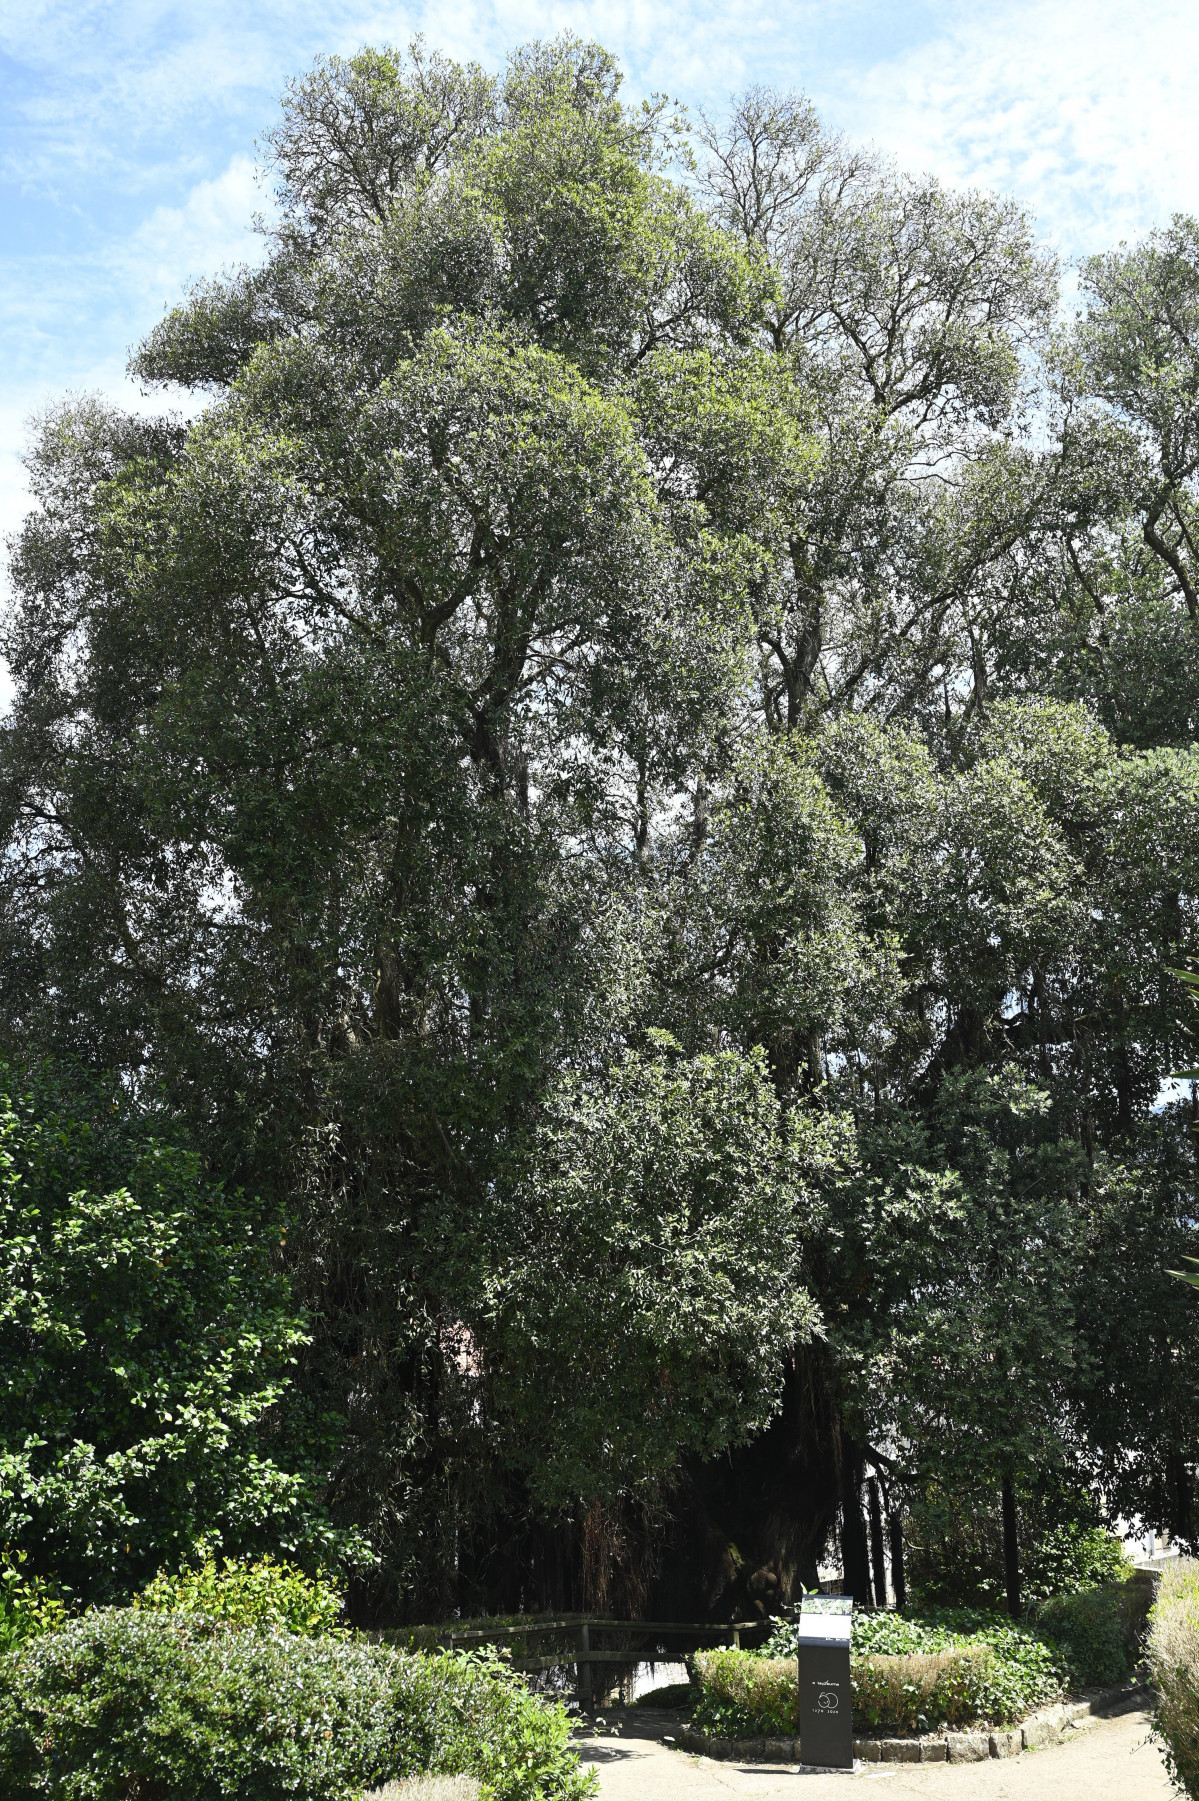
<point>1090,1635</point>
<point>146,1333</point>
<point>924,1690</point>
<point>1174,1661</point>
<point>1098,1632</point>
<point>251,1595</point>
<point>183,1703</point>
<point>955,1554</point>
<point>952,1667</point>
<point>28,1604</point>
<point>742,1696</point>
<point>616,808</point>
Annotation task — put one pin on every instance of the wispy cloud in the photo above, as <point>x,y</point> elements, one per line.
<point>210,230</point>
<point>1085,109</point>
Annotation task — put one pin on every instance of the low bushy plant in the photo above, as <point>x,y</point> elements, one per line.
<point>130,1701</point>
<point>1089,1631</point>
<point>670,1695</point>
<point>921,1691</point>
<point>945,1667</point>
<point>249,1594</point>
<point>1072,1558</point>
<point>1173,1650</point>
<point>1024,1672</point>
<point>954,1682</point>
<point>743,1695</point>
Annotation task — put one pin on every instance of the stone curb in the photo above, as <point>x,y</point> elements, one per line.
<point>1049,1727</point>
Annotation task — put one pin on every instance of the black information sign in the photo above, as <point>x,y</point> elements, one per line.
<point>825,1712</point>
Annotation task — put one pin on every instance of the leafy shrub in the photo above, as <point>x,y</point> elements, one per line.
<point>246,1594</point>
<point>1174,1660</point>
<point>897,1634</point>
<point>998,1670</point>
<point>1071,1558</point>
<point>1025,1670</point>
<point>743,1695</point>
<point>131,1700</point>
<point>955,1553</point>
<point>28,1605</point>
<point>1137,1597</point>
<point>923,1690</point>
<point>1089,1631</point>
<point>671,1694</point>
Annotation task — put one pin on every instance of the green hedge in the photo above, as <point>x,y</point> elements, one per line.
<point>1071,1641</point>
<point>745,1696</point>
<point>1101,1632</point>
<point>1174,1659</point>
<point>924,1690</point>
<point>1024,1670</point>
<point>126,1700</point>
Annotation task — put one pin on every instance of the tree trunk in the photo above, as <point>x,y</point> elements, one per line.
<point>877,1554</point>
<point>855,1558</point>
<point>898,1578</point>
<point>1011,1549</point>
<point>761,1509</point>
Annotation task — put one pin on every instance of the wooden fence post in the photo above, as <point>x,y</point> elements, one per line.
<point>583,1670</point>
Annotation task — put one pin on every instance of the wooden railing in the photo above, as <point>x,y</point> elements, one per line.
<point>583,1653</point>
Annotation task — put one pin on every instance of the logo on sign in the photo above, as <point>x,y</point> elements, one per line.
<point>828,1700</point>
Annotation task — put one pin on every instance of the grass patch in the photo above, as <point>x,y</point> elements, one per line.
<point>428,1788</point>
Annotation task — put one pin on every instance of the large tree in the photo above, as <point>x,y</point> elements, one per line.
<point>343,714</point>
<point>566,777</point>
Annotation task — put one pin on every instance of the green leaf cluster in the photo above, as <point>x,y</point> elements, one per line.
<point>147,1333</point>
<point>629,774</point>
<point>252,1595</point>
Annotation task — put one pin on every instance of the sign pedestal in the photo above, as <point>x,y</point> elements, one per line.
<point>825,1701</point>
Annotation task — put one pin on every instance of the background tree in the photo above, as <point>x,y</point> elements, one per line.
<point>149,1344</point>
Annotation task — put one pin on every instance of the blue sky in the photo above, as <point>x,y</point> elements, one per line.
<point>127,129</point>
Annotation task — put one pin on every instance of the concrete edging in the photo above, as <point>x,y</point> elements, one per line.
<point>1048,1727</point>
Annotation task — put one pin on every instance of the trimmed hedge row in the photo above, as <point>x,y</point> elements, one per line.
<point>925,1689</point>
<point>1174,1660</point>
<point>743,1696</point>
<point>128,1702</point>
<point>947,1668</point>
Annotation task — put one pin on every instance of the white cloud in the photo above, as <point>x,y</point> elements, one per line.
<point>1085,109</point>
<point>210,230</point>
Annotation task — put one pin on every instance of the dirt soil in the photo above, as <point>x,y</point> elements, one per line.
<point>1111,1760</point>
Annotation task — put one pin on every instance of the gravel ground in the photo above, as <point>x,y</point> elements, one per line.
<point>1112,1760</point>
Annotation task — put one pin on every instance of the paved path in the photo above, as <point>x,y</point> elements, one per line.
<point>1113,1760</point>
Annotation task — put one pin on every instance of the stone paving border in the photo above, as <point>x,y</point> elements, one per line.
<point>1049,1727</point>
